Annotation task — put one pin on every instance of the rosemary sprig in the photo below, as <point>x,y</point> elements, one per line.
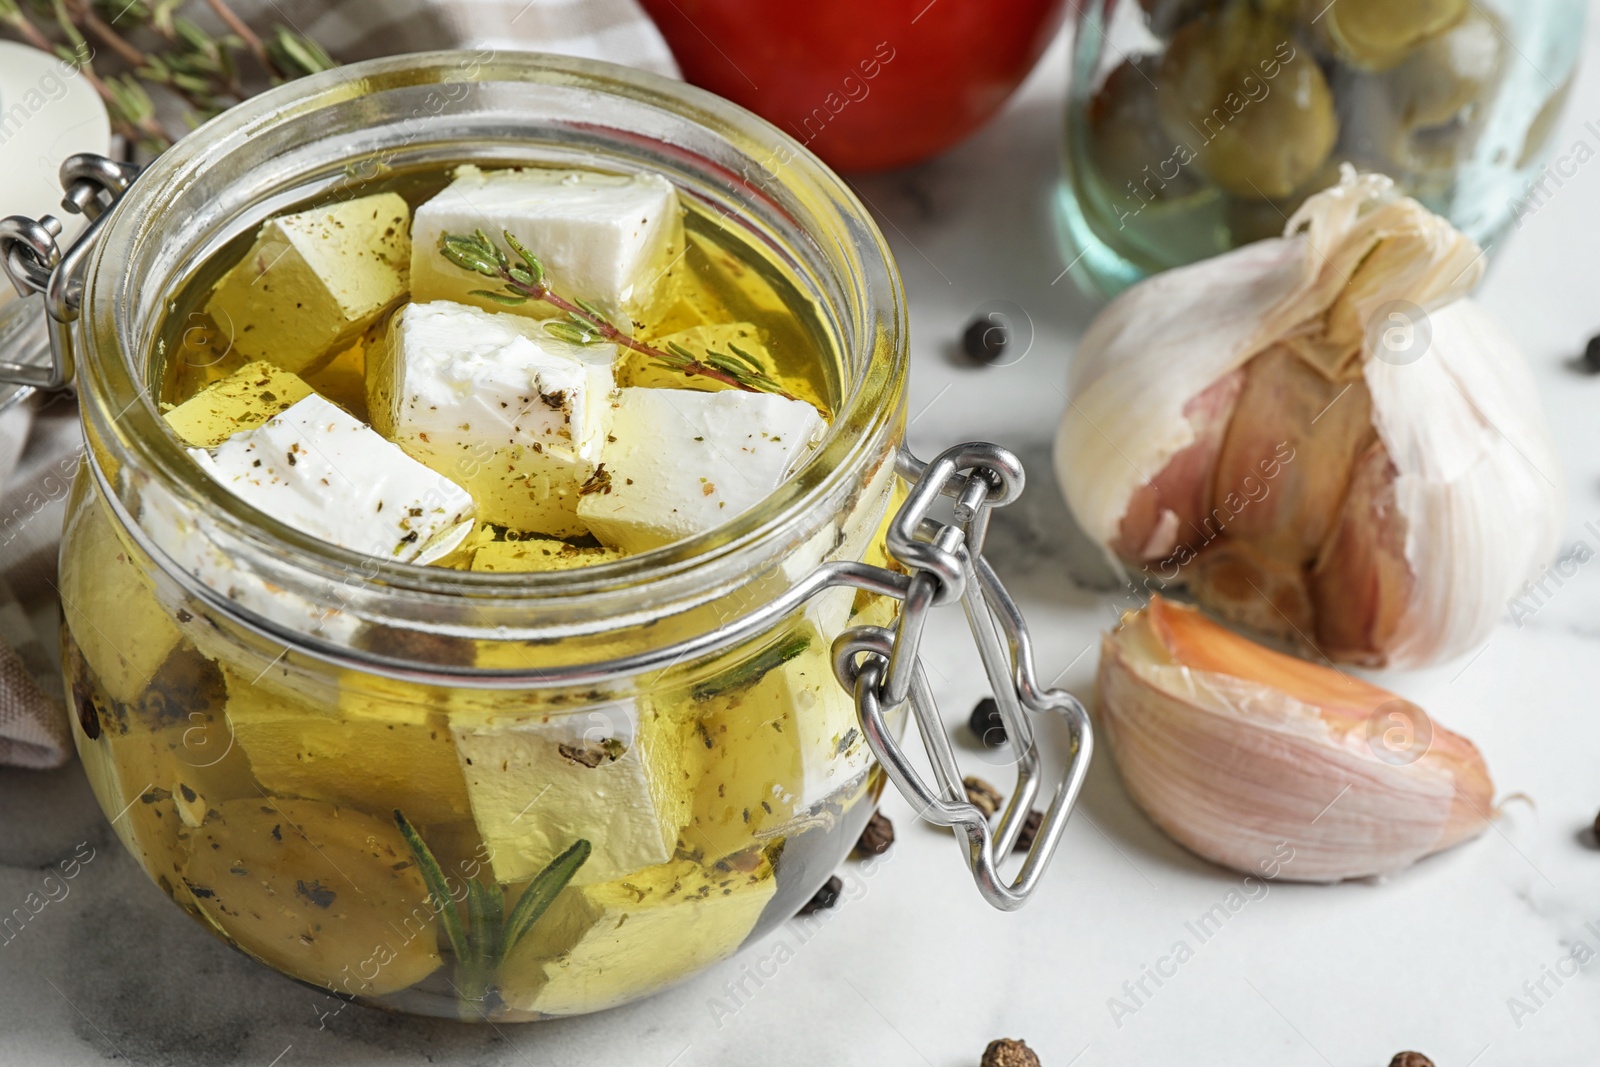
<point>754,669</point>
<point>482,938</point>
<point>584,322</point>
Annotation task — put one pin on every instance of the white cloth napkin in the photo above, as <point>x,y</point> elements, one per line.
<point>40,441</point>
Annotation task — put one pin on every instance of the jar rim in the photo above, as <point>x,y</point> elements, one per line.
<point>127,431</point>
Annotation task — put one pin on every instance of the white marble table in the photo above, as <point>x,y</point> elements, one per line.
<point>913,969</point>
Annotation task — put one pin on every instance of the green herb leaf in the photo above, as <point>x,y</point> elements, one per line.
<point>535,268</point>
<point>508,299</point>
<point>493,249</point>
<point>438,888</point>
<point>484,910</point>
<point>573,335</point>
<point>747,357</point>
<point>295,56</point>
<point>469,257</point>
<point>540,894</point>
<point>593,312</point>
<point>727,363</point>
<point>753,669</point>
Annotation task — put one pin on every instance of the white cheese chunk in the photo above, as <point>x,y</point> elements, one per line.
<point>603,945</point>
<point>773,747</point>
<point>540,780</point>
<point>124,632</point>
<point>327,474</point>
<point>314,281</point>
<point>298,746</point>
<point>497,405</point>
<point>602,238</point>
<point>202,549</point>
<point>678,463</point>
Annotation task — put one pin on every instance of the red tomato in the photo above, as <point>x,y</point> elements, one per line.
<point>865,84</point>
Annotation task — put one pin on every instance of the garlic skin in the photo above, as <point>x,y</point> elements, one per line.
<point>1244,425</point>
<point>1235,751</point>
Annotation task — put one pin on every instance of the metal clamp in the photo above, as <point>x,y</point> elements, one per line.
<point>36,263</point>
<point>882,669</point>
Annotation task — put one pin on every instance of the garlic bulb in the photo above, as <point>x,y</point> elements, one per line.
<point>1320,434</point>
<point>1250,757</point>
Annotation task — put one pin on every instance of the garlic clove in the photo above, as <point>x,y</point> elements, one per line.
<point>1247,586</point>
<point>1324,423</point>
<point>1478,482</point>
<point>1177,502</point>
<point>1361,583</point>
<point>1244,755</point>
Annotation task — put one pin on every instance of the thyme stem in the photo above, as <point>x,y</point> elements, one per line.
<point>237,27</point>
<point>478,254</point>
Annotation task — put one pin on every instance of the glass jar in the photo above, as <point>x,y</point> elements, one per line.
<point>494,796</point>
<point>1195,126</point>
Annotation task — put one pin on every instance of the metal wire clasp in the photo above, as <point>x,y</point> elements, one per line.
<point>882,669</point>
<point>36,263</point>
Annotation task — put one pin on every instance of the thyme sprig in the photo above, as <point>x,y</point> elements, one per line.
<point>484,935</point>
<point>584,322</point>
<point>156,48</point>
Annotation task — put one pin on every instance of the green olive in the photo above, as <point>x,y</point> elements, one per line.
<point>1240,92</point>
<point>1378,34</point>
<point>1443,90</point>
<point>1451,72</point>
<point>1131,151</point>
<point>329,895</point>
<point>1424,117</point>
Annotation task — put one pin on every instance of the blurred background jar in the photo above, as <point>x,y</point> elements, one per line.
<point>1196,126</point>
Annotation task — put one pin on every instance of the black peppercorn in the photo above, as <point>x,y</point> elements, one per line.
<point>88,714</point>
<point>1410,1059</point>
<point>986,724</point>
<point>1007,1052</point>
<point>826,897</point>
<point>1591,355</point>
<point>985,339</point>
<point>1029,831</point>
<point>983,796</point>
<point>877,837</point>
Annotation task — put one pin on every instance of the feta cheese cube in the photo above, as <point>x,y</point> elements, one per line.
<point>604,238</point>
<point>602,945</point>
<point>112,585</point>
<point>538,554</point>
<point>678,463</point>
<point>329,475</point>
<point>314,280</point>
<point>242,401</point>
<point>297,747</point>
<point>497,405</point>
<point>773,747</point>
<point>541,779</point>
<point>325,894</point>
<point>206,552</point>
